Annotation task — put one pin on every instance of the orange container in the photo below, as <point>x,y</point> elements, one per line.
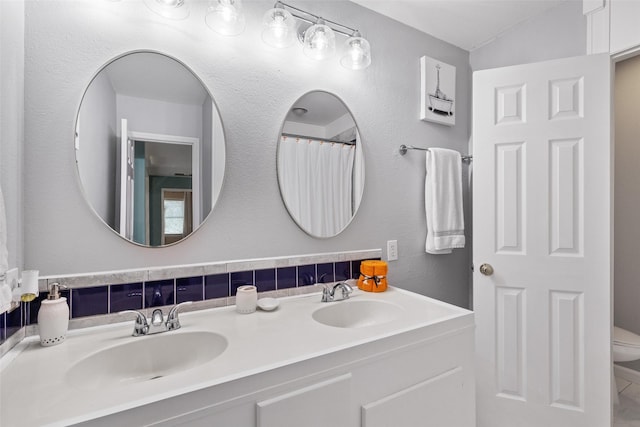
<point>373,276</point>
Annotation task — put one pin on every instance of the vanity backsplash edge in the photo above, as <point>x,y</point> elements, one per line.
<point>96,298</point>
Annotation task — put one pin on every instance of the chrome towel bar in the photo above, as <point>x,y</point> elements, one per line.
<point>404,148</point>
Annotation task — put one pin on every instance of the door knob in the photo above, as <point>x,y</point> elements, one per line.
<point>486,269</point>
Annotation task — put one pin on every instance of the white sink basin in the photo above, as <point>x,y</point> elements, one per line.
<point>356,314</point>
<point>146,358</point>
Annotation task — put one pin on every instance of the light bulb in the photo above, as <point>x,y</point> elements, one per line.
<point>225,17</point>
<point>227,13</point>
<point>279,28</point>
<point>357,54</point>
<point>319,41</point>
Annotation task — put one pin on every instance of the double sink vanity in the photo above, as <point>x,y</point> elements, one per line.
<point>150,120</point>
<point>374,359</point>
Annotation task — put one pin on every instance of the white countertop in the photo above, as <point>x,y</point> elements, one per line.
<point>35,392</point>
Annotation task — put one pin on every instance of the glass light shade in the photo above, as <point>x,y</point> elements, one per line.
<point>357,55</point>
<point>225,17</point>
<point>279,28</point>
<point>170,9</point>
<point>319,42</point>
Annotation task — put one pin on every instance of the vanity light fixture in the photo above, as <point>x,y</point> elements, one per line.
<point>357,54</point>
<point>319,41</point>
<point>225,17</point>
<point>279,29</point>
<point>170,9</point>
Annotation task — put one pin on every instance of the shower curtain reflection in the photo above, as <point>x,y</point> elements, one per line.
<point>316,180</point>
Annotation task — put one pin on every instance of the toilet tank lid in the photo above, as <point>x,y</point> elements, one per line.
<point>622,336</point>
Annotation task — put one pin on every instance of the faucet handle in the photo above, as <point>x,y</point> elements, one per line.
<point>156,317</point>
<point>327,294</point>
<point>140,327</point>
<point>346,289</point>
<point>173,321</point>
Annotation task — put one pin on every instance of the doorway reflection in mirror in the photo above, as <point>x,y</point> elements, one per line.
<point>148,127</point>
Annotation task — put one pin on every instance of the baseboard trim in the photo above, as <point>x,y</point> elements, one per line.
<point>626,373</point>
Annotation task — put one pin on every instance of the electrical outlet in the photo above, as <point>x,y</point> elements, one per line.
<point>392,250</point>
<point>11,276</point>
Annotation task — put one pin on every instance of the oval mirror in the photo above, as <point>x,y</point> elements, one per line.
<point>150,148</point>
<point>320,164</point>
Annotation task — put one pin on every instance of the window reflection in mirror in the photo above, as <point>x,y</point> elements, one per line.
<point>148,133</point>
<point>176,215</point>
<point>320,164</point>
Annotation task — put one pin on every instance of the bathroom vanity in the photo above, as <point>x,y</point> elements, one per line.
<point>389,359</point>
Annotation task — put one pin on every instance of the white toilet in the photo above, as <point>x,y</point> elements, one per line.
<point>626,345</point>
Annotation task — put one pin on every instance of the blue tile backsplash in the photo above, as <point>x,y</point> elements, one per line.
<point>89,301</point>
<point>343,270</point>
<point>355,269</point>
<point>216,286</point>
<point>265,280</point>
<point>105,298</point>
<point>3,317</point>
<point>189,289</point>
<point>159,292</point>
<point>325,273</point>
<point>240,278</point>
<point>125,297</point>
<point>287,277</point>
<point>306,275</point>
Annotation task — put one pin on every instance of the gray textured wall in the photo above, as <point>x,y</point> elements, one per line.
<point>97,142</point>
<point>253,86</point>
<point>557,33</point>
<point>12,123</point>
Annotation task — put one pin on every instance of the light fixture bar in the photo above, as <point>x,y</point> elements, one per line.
<point>350,31</point>
<point>318,38</point>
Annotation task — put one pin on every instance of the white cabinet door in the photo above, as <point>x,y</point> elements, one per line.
<point>323,404</point>
<point>435,402</point>
<point>541,214</point>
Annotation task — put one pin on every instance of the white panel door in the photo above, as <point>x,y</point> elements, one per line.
<point>126,181</point>
<point>541,220</point>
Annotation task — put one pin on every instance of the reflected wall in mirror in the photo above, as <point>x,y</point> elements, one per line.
<point>150,148</point>
<point>320,164</point>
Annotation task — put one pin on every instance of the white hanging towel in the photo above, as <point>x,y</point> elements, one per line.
<point>443,201</point>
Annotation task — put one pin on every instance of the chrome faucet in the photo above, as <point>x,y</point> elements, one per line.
<point>158,324</point>
<point>173,322</point>
<point>328,294</point>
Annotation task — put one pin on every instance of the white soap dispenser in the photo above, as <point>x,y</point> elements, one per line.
<point>53,317</point>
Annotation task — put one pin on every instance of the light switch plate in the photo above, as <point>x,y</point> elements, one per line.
<point>392,250</point>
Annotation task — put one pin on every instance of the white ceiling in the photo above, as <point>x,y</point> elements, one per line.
<point>467,24</point>
<point>322,109</point>
<point>153,76</point>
